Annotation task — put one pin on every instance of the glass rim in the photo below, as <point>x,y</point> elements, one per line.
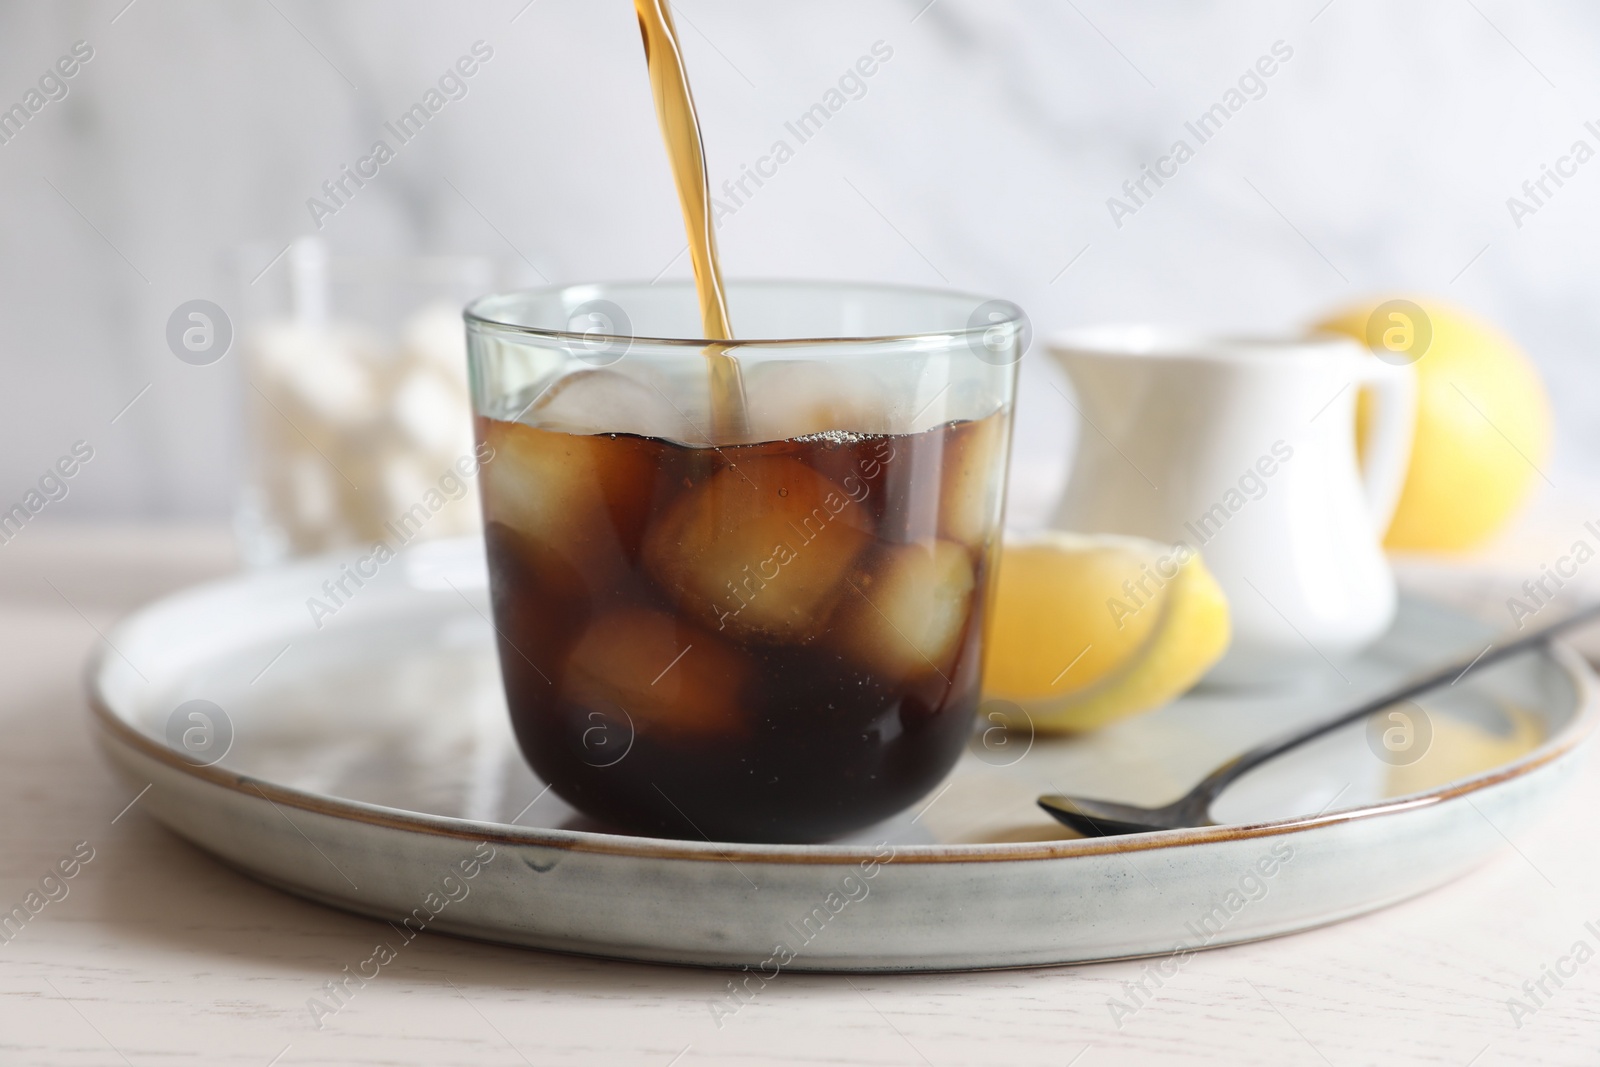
<point>1013,314</point>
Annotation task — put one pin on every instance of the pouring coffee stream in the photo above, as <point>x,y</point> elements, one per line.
<point>1100,818</point>
<point>680,130</point>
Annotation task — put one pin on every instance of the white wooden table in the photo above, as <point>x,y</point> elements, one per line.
<point>158,954</point>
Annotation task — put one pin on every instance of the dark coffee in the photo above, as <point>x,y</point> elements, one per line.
<point>771,642</point>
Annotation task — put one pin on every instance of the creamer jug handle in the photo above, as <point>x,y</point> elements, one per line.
<point>1392,390</point>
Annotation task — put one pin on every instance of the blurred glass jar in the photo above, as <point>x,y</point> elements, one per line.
<point>359,425</point>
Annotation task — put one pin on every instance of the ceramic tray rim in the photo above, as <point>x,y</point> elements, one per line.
<point>115,729</point>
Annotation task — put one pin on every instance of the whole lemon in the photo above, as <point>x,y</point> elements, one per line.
<point>1483,420</point>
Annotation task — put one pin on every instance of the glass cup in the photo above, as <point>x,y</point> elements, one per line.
<point>358,419</point>
<point>773,633</point>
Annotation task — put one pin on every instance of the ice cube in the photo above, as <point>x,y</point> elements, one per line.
<point>671,677</point>
<point>608,401</point>
<point>906,609</point>
<point>323,373</point>
<point>579,499</point>
<point>403,481</point>
<point>432,412</point>
<point>313,494</point>
<point>435,337</point>
<point>759,549</point>
<point>973,474</point>
<point>523,584</point>
<point>793,398</point>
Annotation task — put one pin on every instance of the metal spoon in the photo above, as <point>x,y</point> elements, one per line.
<point>1102,818</point>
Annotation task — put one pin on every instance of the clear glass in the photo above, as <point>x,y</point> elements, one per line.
<point>357,401</point>
<point>771,638</point>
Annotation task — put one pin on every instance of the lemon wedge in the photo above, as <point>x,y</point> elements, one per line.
<point>1085,629</point>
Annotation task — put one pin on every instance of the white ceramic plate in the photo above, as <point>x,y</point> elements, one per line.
<point>371,767</point>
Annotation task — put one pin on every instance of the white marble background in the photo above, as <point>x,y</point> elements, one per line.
<point>1380,157</point>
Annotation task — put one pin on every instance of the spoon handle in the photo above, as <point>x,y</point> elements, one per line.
<point>1215,782</point>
